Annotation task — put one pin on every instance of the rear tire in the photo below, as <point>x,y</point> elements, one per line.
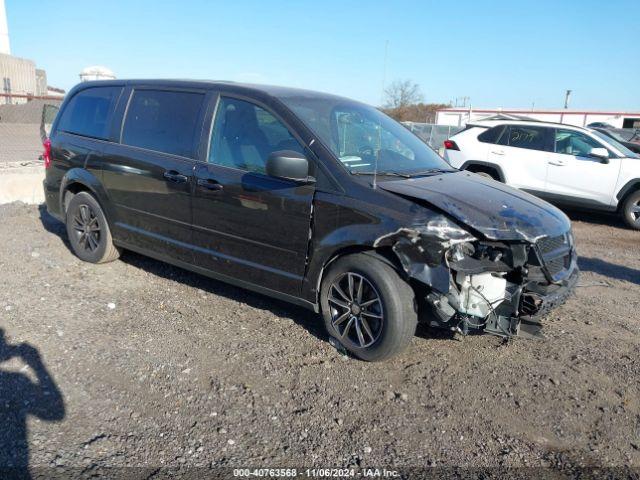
<point>370,329</point>
<point>88,230</point>
<point>631,210</point>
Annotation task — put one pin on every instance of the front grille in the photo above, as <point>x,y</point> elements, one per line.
<point>550,244</point>
<point>557,265</point>
<point>556,254</point>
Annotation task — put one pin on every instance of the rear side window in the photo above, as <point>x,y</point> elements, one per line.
<point>89,112</point>
<point>525,136</point>
<point>491,135</point>
<point>164,121</point>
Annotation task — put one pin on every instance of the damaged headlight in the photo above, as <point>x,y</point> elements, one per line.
<point>425,243</point>
<point>447,231</point>
<point>421,249</point>
<point>461,250</point>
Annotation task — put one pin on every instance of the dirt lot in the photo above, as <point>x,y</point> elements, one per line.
<point>151,366</point>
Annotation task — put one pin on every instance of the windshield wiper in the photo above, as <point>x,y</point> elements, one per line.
<point>388,174</point>
<point>431,171</point>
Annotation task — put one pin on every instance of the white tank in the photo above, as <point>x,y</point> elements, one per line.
<point>96,72</point>
<point>4,30</point>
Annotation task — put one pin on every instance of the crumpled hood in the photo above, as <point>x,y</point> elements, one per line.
<point>495,210</point>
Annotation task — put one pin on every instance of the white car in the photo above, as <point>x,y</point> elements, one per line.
<point>564,164</point>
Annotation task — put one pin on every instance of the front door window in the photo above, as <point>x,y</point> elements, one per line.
<point>573,143</point>
<point>244,135</point>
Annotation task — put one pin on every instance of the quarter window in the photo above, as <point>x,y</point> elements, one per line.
<point>525,136</point>
<point>163,121</point>
<point>574,143</point>
<point>244,135</point>
<point>89,112</point>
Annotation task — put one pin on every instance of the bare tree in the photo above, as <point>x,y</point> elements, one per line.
<point>401,93</point>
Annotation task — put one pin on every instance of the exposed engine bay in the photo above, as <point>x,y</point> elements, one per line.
<point>481,285</point>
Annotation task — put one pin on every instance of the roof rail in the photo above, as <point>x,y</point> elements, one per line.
<point>533,120</point>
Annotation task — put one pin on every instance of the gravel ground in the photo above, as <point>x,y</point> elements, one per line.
<point>148,365</point>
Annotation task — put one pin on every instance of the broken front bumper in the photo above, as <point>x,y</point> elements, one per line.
<point>535,304</point>
<point>470,284</point>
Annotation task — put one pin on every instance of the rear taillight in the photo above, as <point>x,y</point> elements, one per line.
<point>450,145</point>
<point>46,155</point>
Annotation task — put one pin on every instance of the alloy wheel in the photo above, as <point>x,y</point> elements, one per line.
<point>356,310</point>
<point>635,212</point>
<point>86,227</point>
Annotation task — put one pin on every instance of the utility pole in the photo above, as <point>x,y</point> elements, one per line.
<point>567,96</point>
<point>462,101</point>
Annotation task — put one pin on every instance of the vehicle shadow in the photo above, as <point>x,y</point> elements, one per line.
<point>20,397</point>
<point>54,226</point>
<point>602,267</point>
<point>307,319</point>
<point>301,316</point>
<point>424,331</point>
<point>598,218</point>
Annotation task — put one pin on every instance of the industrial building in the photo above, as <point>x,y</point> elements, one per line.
<point>459,117</point>
<point>21,80</point>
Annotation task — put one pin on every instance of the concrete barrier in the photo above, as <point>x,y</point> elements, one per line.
<point>21,183</point>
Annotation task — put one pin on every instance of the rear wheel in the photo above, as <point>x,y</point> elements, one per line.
<point>368,307</point>
<point>88,230</point>
<point>631,210</point>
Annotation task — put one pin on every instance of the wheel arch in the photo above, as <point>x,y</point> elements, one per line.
<point>384,254</point>
<point>481,163</point>
<point>79,180</point>
<point>630,187</point>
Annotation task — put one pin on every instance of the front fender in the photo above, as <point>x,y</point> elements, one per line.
<point>344,225</point>
<point>628,187</point>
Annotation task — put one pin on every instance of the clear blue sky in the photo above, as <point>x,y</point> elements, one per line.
<point>499,53</point>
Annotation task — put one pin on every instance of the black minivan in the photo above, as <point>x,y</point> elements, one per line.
<point>308,197</point>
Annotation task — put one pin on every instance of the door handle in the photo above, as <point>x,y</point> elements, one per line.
<point>498,152</point>
<point>175,177</point>
<point>558,163</point>
<point>209,184</point>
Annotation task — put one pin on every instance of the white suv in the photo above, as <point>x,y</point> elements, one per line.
<point>563,164</point>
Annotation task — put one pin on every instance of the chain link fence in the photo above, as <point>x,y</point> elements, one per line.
<point>20,128</point>
<point>434,135</point>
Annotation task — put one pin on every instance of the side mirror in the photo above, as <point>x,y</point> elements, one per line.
<point>600,153</point>
<point>289,165</point>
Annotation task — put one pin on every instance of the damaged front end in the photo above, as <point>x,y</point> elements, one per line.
<point>473,284</point>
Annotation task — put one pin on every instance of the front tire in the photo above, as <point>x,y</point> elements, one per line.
<point>631,210</point>
<point>88,230</point>
<point>368,307</point>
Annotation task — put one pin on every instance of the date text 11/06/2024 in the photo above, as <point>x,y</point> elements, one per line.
<point>316,472</point>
